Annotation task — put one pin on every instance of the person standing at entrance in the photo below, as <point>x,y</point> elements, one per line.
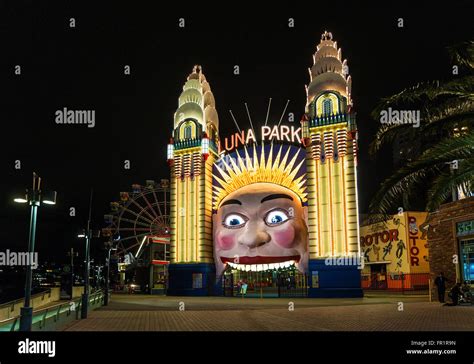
<point>440,282</point>
<point>244,288</point>
<point>239,286</point>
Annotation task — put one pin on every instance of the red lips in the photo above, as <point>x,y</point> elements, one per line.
<point>260,260</point>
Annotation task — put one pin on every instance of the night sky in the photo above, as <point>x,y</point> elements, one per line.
<point>82,68</point>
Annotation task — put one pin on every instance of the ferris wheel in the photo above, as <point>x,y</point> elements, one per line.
<point>140,216</point>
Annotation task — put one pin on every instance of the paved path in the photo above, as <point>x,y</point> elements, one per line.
<point>379,313</point>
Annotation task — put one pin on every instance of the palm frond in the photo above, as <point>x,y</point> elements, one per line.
<point>448,115</point>
<point>462,54</point>
<point>461,87</point>
<point>434,120</point>
<point>445,182</point>
<point>432,161</point>
<point>447,109</point>
<point>387,133</point>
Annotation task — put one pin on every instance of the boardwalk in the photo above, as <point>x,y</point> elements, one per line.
<point>152,313</point>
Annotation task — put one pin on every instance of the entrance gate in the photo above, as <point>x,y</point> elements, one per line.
<point>271,283</point>
<point>293,284</point>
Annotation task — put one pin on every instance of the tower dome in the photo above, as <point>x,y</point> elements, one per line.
<point>329,71</point>
<point>196,101</point>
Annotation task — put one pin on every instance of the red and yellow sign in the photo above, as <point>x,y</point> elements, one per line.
<point>399,243</point>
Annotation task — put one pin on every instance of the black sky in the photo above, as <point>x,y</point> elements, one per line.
<point>82,68</point>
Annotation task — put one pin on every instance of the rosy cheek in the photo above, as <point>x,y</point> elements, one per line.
<point>226,242</point>
<point>285,236</point>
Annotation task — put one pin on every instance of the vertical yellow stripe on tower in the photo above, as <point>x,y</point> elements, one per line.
<point>190,221</point>
<point>344,223</point>
<point>318,202</point>
<point>196,215</point>
<point>331,216</point>
<point>186,214</point>
<point>177,223</point>
<point>338,207</point>
<point>173,219</point>
<point>324,208</point>
<point>179,220</point>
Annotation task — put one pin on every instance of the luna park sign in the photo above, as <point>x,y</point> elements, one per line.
<point>278,133</point>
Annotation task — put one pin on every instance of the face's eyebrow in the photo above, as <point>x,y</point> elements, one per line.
<point>231,202</point>
<point>275,196</point>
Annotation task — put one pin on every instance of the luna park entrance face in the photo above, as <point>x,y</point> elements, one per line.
<point>270,283</point>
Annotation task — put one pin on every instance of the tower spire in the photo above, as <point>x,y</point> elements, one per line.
<point>329,70</point>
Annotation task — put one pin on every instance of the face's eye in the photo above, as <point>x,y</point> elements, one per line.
<point>276,217</point>
<point>234,221</point>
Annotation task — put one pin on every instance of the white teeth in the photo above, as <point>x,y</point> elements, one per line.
<point>261,267</point>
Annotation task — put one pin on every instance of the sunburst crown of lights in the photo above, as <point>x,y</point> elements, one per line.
<point>239,172</point>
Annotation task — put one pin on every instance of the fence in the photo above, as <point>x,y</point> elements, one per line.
<point>266,284</point>
<point>52,317</point>
<point>293,285</point>
<point>12,308</point>
<point>398,282</point>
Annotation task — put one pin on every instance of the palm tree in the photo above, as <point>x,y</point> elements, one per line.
<point>447,131</point>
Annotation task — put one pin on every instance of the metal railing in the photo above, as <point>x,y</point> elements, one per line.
<point>20,301</point>
<point>49,318</point>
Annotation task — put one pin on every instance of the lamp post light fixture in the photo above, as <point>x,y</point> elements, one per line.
<point>34,197</point>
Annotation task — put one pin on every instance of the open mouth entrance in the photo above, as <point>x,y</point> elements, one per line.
<point>284,281</point>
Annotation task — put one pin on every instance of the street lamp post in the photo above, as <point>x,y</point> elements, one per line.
<point>72,254</point>
<point>26,312</point>
<point>85,295</point>
<point>34,198</point>
<point>87,234</point>
<point>107,278</point>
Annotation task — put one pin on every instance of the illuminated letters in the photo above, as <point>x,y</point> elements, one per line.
<point>282,133</point>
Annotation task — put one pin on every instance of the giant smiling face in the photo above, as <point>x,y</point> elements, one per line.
<point>259,224</point>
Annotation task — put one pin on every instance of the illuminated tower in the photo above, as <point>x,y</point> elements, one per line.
<point>330,133</point>
<point>191,154</point>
